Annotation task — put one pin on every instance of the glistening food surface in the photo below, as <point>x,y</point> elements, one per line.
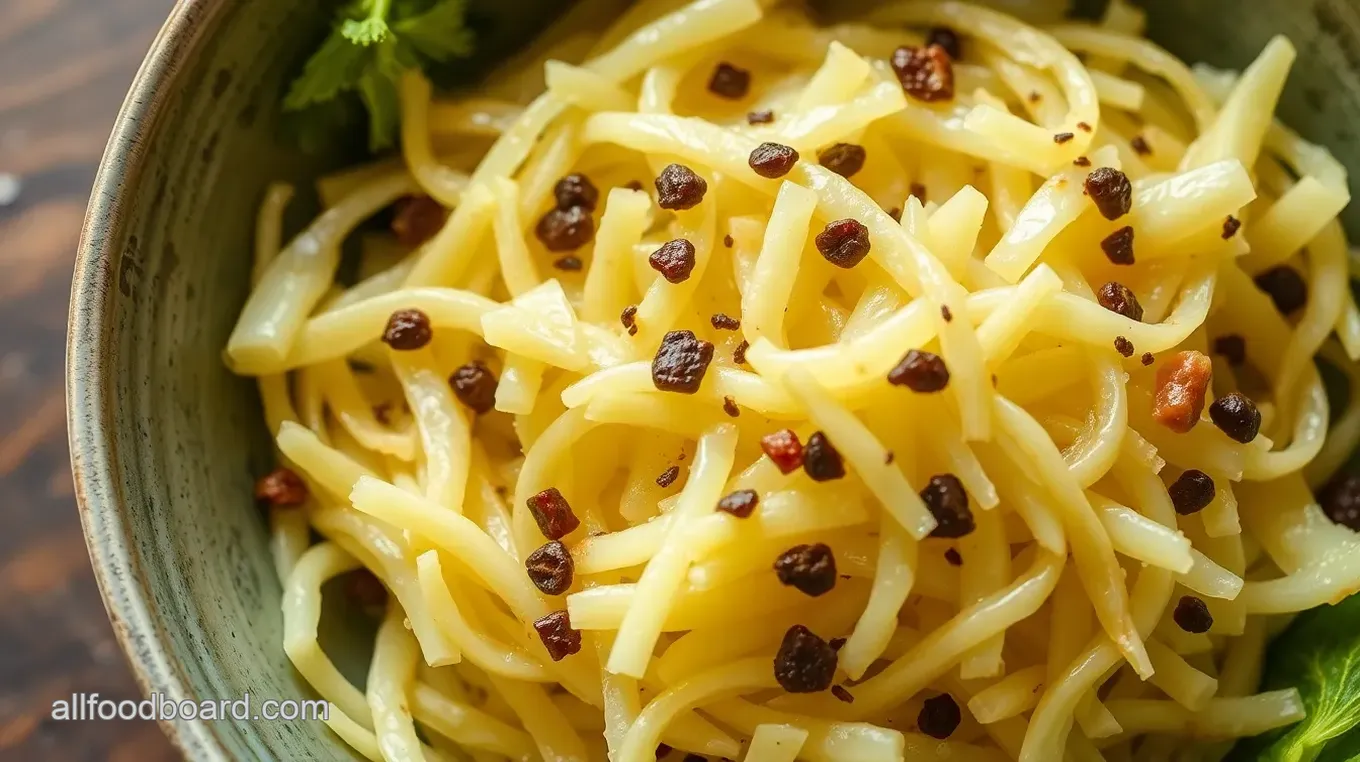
<point>936,383</point>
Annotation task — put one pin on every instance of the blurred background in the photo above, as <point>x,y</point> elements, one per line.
<point>65,66</point>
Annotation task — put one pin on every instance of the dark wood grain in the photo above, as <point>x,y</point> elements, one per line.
<point>67,65</point>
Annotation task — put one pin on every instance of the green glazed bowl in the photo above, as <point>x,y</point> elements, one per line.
<point>165,442</point>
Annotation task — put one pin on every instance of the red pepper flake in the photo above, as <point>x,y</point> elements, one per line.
<point>947,501</point>
<point>1083,126</point>
<point>1192,615</point>
<point>845,159</point>
<point>1118,246</point>
<point>844,243</point>
<point>953,557</point>
<point>565,229</point>
<point>551,568</point>
<point>1230,227</point>
<point>1063,137</point>
<point>475,386</point>
<point>281,487</point>
<point>920,371</point>
<point>946,38</point>
<point>407,330</point>
<point>570,263</point>
<point>553,514</point>
<point>1237,416</point>
<point>674,260</point>
<point>1182,382</point>
<point>821,460</point>
<point>1082,161</point>
<point>1148,359</point>
<point>558,636</point>
<point>805,663</point>
<point>783,449</point>
<point>724,322</point>
<point>681,362</point>
<point>841,693</point>
<point>739,354</point>
<point>728,240</point>
<point>939,716</point>
<point>1232,347</point>
<point>730,407</point>
<point>576,190</point>
<point>926,74</point>
<point>678,188</point>
<point>1285,287</point>
<point>668,477</point>
<point>729,82</point>
<point>1119,299</point>
<point>772,160</point>
<point>764,116</point>
<point>1123,346</point>
<point>740,503</point>
<point>1340,501</point>
<point>1111,191</point>
<point>1140,146</point>
<point>919,191</point>
<point>1192,492</point>
<point>629,319</point>
<point>416,219</point>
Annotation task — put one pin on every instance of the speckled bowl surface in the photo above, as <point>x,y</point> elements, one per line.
<point>165,441</point>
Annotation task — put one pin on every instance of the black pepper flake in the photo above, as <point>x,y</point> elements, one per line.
<point>844,243</point>
<point>674,260</point>
<point>740,503</point>
<point>1140,146</point>
<point>764,116</point>
<point>919,191</point>
<point>576,190</point>
<point>678,188</point>
<point>772,160</point>
<point>1231,226</point>
<point>475,386</point>
<point>416,219</point>
<point>739,354</point>
<point>565,229</point>
<point>939,717</point>
<point>723,322</point>
<point>1111,191</point>
<point>570,263</point>
<point>728,240</point>
<point>845,159</point>
<point>841,693</point>
<point>730,82</point>
<point>407,330</point>
<point>953,557</point>
<point>821,460</point>
<point>681,362</point>
<point>946,314</point>
<point>946,38</point>
<point>281,487</point>
<point>1340,501</point>
<point>1083,126</point>
<point>805,663</point>
<point>629,319</point>
<point>947,501</point>
<point>837,643</point>
<point>1236,416</point>
<point>1192,615</point>
<point>558,637</point>
<point>730,407</point>
<point>920,371</point>
<point>1148,359</point>
<point>1082,161</point>
<point>1063,137</point>
<point>1118,246</point>
<point>810,568</point>
<point>551,568</point>
<point>668,477</point>
<point>553,514</point>
<point>1232,347</point>
<point>1285,287</point>
<point>783,449</point>
<point>1123,346</point>
<point>1192,492</point>
<point>1119,299</point>
<point>926,74</point>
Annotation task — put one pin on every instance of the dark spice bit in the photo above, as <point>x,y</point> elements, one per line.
<point>674,260</point>
<point>764,116</point>
<point>1082,161</point>
<point>888,457</point>
<point>926,74</point>
<point>740,503</point>
<point>730,407</point>
<point>844,243</point>
<point>553,514</point>
<point>565,229</point>
<point>407,330</point>
<point>634,185</point>
<point>784,449</point>
<point>576,190</point>
<point>1231,226</point>
<point>946,38</point>
<point>1123,346</point>
<point>772,160</point>
<point>920,371</point>
<point>1181,385</point>
<point>724,322</point>
<point>729,81</point>
<point>1035,96</point>
<point>475,386</point>
<point>281,487</point>
<point>953,557</point>
<point>1232,347</point>
<point>939,717</point>
<point>805,663</point>
<point>841,693</point>
<point>1140,146</point>
<point>551,568</point>
<point>629,318</point>
<point>1148,359</point>
<point>845,159</point>
<point>1111,191</point>
<point>947,501</point>
<point>681,362</point>
<point>739,354</point>
<point>837,643</point>
<point>558,637</point>
<point>810,568</point>
<point>1236,416</point>
<point>919,191</point>
<point>1118,246</point>
<point>728,241</point>
<point>895,213</point>
<point>678,188</point>
<point>1285,287</point>
<point>416,219</point>
<point>1340,501</point>
<point>1192,615</point>
<point>570,263</point>
<point>1192,492</point>
<point>1063,137</point>
<point>1119,299</point>
<point>1083,126</point>
<point>383,413</point>
<point>668,477</point>
<point>821,460</point>
<point>946,314</point>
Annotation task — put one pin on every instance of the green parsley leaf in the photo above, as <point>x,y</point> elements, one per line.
<point>438,33</point>
<point>334,69</point>
<point>372,28</point>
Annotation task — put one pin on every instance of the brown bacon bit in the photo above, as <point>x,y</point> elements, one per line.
<point>844,243</point>
<point>946,314</point>
<point>1119,299</point>
<point>810,568</point>
<point>939,716</point>
<point>947,501</point>
<point>1232,347</point>
<point>407,330</point>
<point>920,371</point>
<point>739,354</point>
<point>805,663</point>
<point>1340,501</point>
<point>629,319</point>
<point>953,557</point>
<point>1083,126</point>
<point>772,160</point>
<point>1063,137</point>
<point>1192,492</point>
<point>1148,359</point>
<point>728,241</point>
<point>1237,416</point>
<point>1123,346</point>
<point>764,116</point>
<point>1140,146</point>
<point>740,503</point>
<point>416,219</point>
<point>723,322</point>
<point>783,449</point>
<point>475,386</point>
<point>1082,161</point>
<point>553,514</point>
<point>576,190</point>
<point>1182,381</point>
<point>1231,226</point>
<point>674,260</point>
<point>678,188</point>
<point>1192,615</point>
<point>926,74</point>
<point>570,263</point>
<point>919,191</point>
<point>1111,191</point>
<point>281,487</point>
<point>845,159</point>
<point>565,229</point>
<point>821,460</point>
<point>730,407</point>
<point>946,38</point>
<point>551,568</point>
<point>1285,287</point>
<point>668,477</point>
<point>681,362</point>
<point>730,82</point>
<point>558,636</point>
<point>1118,246</point>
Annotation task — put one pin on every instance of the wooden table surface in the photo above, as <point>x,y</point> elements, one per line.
<point>65,66</point>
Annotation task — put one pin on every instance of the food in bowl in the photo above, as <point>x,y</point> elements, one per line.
<point>935,383</point>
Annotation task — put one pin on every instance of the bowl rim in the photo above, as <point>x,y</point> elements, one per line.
<point>114,557</point>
